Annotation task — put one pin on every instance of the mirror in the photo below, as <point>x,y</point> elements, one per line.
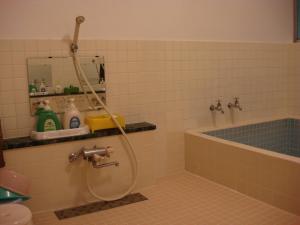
<point>51,76</point>
<point>55,79</point>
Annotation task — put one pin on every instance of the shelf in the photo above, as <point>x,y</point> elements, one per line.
<point>63,94</point>
<point>24,142</point>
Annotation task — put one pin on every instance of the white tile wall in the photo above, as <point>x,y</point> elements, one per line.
<point>169,83</point>
<point>294,79</point>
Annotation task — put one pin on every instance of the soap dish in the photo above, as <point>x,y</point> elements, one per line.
<point>60,133</point>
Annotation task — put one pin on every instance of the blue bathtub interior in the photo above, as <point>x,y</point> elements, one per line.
<point>281,136</point>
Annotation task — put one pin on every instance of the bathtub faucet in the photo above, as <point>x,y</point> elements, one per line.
<point>236,104</point>
<point>217,107</point>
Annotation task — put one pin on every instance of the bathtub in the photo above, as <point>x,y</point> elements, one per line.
<point>261,160</point>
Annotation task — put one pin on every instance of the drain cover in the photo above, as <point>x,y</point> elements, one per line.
<point>99,206</point>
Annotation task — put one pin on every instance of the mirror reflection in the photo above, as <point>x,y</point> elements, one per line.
<point>56,75</point>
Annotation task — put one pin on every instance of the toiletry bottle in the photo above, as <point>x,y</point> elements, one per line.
<point>43,86</point>
<point>32,89</point>
<point>47,119</point>
<point>72,116</point>
<point>58,89</point>
<point>39,108</point>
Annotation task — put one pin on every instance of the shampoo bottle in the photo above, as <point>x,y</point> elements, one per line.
<point>47,119</point>
<point>72,117</point>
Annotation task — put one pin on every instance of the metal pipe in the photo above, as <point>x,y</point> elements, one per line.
<point>74,45</point>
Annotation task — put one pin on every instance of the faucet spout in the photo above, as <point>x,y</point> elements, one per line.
<point>236,104</point>
<point>217,107</point>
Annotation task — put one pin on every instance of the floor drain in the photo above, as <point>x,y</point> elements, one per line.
<point>99,206</point>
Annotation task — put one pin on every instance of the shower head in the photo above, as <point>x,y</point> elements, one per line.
<point>80,19</point>
<point>74,45</point>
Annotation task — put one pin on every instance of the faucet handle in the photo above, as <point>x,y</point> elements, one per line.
<point>76,155</point>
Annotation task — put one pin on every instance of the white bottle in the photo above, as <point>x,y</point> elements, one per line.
<point>72,116</point>
<point>43,87</point>
<point>58,89</point>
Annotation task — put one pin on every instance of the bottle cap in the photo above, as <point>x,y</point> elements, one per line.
<point>47,106</point>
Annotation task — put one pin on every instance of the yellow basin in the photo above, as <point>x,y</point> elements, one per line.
<point>103,122</point>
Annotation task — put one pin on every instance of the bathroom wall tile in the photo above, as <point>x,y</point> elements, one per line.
<point>21,96</point>
<point>21,83</point>
<point>43,45</point>
<point>7,97</point>
<point>17,45</point>
<point>87,45</point>
<point>22,109</point>
<point>111,45</point>
<point>6,71</point>
<point>19,71</point>
<point>30,54</point>
<point>100,45</point>
<point>55,45</point>
<point>24,122</point>
<point>5,58</point>
<point>5,45</point>
<point>18,58</point>
<point>8,110</point>
<point>9,123</point>
<point>6,84</point>
<point>30,45</point>
<point>46,53</point>
<point>10,133</point>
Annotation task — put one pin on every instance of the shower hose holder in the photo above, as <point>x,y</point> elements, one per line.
<point>96,156</point>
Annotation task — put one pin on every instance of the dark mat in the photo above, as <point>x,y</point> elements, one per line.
<point>98,206</point>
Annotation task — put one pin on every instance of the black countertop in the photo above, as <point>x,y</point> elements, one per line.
<point>23,142</point>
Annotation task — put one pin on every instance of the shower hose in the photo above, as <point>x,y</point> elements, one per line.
<point>80,74</point>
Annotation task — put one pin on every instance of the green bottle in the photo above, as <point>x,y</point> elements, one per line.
<point>32,89</point>
<point>47,119</point>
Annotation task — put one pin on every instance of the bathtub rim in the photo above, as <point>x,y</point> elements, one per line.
<point>199,133</point>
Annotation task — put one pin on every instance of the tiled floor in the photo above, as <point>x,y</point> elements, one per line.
<point>184,199</point>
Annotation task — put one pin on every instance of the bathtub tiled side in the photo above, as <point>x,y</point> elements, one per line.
<point>267,178</point>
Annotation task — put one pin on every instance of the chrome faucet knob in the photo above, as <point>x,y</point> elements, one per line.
<point>217,107</point>
<point>75,155</point>
<point>236,100</point>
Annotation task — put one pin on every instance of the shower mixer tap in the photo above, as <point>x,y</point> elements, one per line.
<point>94,155</point>
<point>217,107</point>
<point>236,104</point>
